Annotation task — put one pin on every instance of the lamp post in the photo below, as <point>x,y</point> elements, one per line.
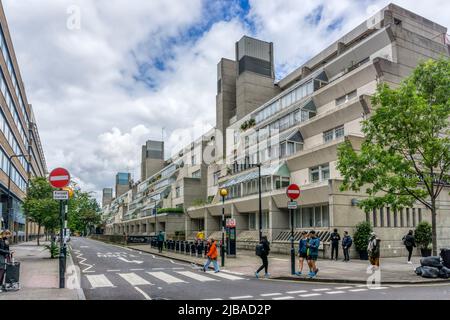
<point>223,193</point>
<point>9,203</point>
<point>259,201</point>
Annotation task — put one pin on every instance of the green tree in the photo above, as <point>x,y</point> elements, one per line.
<point>405,157</point>
<point>83,211</point>
<point>40,206</point>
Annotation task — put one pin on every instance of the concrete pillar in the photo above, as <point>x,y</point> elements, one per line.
<point>340,47</point>
<point>188,226</point>
<point>278,220</point>
<point>241,220</point>
<point>211,223</point>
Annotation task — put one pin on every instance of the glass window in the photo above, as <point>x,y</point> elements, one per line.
<point>317,217</point>
<point>339,132</point>
<point>196,174</point>
<point>314,174</point>
<point>328,135</point>
<point>325,172</point>
<point>325,216</point>
<point>252,221</point>
<point>307,217</point>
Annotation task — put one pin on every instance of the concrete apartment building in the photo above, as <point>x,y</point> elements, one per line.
<point>22,156</point>
<point>152,158</point>
<point>180,184</point>
<point>293,127</point>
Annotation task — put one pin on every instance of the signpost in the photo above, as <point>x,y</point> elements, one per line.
<point>60,178</point>
<point>293,192</point>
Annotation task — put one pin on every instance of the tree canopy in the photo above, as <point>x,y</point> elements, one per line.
<point>405,157</point>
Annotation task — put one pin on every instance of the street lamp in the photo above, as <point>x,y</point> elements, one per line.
<point>7,222</point>
<point>259,201</point>
<point>223,193</point>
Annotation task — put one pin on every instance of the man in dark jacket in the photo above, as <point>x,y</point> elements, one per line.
<point>160,239</point>
<point>335,237</point>
<point>346,244</point>
<point>265,262</point>
<point>410,242</point>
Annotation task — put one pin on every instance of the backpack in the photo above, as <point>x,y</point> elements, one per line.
<point>259,250</point>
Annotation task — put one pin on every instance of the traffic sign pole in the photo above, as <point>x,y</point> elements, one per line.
<point>60,178</point>
<point>293,192</point>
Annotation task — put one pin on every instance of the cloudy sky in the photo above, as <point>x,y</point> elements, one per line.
<point>134,67</point>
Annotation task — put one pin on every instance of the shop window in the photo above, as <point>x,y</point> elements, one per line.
<point>252,221</point>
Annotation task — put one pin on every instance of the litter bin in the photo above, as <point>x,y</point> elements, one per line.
<point>445,255</point>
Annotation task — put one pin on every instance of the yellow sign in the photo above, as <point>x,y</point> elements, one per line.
<point>223,192</point>
<point>70,191</point>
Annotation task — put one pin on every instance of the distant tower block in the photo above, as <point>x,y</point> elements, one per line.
<point>152,158</point>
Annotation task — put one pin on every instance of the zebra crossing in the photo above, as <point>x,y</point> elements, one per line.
<point>150,277</point>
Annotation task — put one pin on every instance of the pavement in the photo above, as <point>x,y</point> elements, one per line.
<point>115,272</point>
<point>39,275</point>
<point>392,270</point>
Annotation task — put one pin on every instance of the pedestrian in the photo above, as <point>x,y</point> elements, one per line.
<point>347,242</point>
<point>313,253</point>
<point>4,255</point>
<point>410,242</point>
<point>373,249</point>
<point>302,251</point>
<point>264,252</point>
<point>335,237</point>
<point>160,239</point>
<point>212,255</point>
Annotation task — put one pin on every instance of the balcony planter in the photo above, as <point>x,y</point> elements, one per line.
<point>425,252</point>
<point>423,237</point>
<point>363,255</point>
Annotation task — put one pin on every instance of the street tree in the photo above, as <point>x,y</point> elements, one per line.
<point>405,157</point>
<point>40,206</point>
<point>83,211</point>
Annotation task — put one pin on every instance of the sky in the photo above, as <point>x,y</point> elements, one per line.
<point>104,76</point>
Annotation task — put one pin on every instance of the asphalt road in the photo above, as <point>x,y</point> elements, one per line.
<point>110,272</point>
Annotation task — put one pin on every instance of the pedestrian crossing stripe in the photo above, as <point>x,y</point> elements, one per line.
<point>134,279</point>
<point>99,281</point>
<point>167,278</point>
<point>225,275</point>
<point>196,276</point>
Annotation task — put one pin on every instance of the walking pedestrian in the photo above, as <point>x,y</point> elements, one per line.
<point>160,240</point>
<point>347,242</point>
<point>335,237</point>
<point>4,255</point>
<point>373,249</point>
<point>302,251</point>
<point>410,242</point>
<point>264,252</point>
<point>212,255</point>
<point>313,253</point>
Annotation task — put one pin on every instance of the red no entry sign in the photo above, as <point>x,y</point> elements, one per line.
<point>59,178</point>
<point>293,191</point>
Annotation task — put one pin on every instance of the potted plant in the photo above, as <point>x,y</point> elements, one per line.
<point>361,239</point>
<point>423,237</point>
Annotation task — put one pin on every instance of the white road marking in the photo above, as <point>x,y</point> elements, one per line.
<point>357,290</point>
<point>146,296</point>
<point>132,261</point>
<point>225,276</point>
<point>99,281</point>
<point>167,278</point>
<point>334,292</point>
<point>158,269</point>
<point>196,276</point>
<point>84,246</point>
<point>279,259</point>
<point>340,288</point>
<point>113,270</point>
<point>270,294</point>
<point>377,288</point>
<point>298,291</point>
<point>82,260</point>
<point>241,297</point>
<point>214,299</point>
<point>283,298</point>
<point>178,268</point>
<point>137,269</point>
<point>321,289</point>
<point>232,272</point>
<point>310,295</point>
<point>134,279</point>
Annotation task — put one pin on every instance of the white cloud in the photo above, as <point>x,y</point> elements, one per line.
<point>92,113</point>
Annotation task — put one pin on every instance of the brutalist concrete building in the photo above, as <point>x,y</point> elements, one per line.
<point>293,128</point>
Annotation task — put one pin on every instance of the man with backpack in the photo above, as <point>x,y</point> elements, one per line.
<point>373,249</point>
<point>410,242</point>
<point>346,244</point>
<point>335,237</point>
<point>262,250</point>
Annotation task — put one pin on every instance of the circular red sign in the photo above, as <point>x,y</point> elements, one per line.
<point>293,191</point>
<point>59,178</point>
